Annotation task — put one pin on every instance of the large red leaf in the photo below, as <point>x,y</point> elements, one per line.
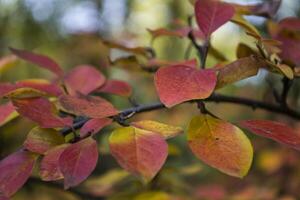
<point>180,83</point>
<point>83,79</point>
<point>78,161</point>
<point>14,171</point>
<point>93,126</point>
<point>116,87</point>
<point>40,60</point>
<point>49,168</point>
<point>94,107</point>
<point>3,197</point>
<point>39,140</point>
<point>211,14</point>
<point>41,111</point>
<point>6,87</point>
<point>139,151</point>
<point>277,131</point>
<point>42,85</point>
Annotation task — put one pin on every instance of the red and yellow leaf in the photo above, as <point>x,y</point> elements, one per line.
<point>277,131</point>
<point>41,111</point>
<point>138,151</point>
<point>220,145</point>
<point>39,140</point>
<point>49,168</point>
<point>212,14</point>
<point>93,126</point>
<point>78,161</point>
<point>92,106</point>
<point>40,60</point>
<point>83,79</point>
<point>14,171</point>
<point>179,83</point>
<point>7,113</point>
<point>165,130</point>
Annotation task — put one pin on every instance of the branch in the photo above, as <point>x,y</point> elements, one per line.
<point>217,98</point>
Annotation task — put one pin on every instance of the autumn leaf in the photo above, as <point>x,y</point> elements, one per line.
<point>78,161</point>
<point>29,88</point>
<point>116,87</point>
<point>39,59</point>
<point>220,145</point>
<point>7,62</point>
<point>244,50</point>
<point>92,126</point>
<point>179,83</point>
<point>83,79</point>
<point>39,140</point>
<point>211,15</point>
<point>7,113</point>
<point>14,171</point>
<point>165,130</point>
<point>239,70</point>
<point>277,131</point>
<point>242,22</point>
<point>49,167</point>
<point>138,151</point>
<point>41,111</point>
<point>92,106</point>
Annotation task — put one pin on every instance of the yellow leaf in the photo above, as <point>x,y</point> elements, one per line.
<point>153,196</point>
<point>239,20</point>
<point>167,131</point>
<point>220,145</point>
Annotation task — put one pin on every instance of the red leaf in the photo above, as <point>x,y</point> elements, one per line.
<point>3,197</point>
<point>78,161</point>
<point>94,107</point>
<point>40,140</point>
<point>49,169</point>
<point>83,79</point>
<point>138,151</point>
<point>116,87</point>
<point>93,126</point>
<point>274,130</point>
<point>14,171</point>
<point>179,83</point>
<point>41,111</point>
<point>211,14</point>
<point>39,59</point>
<point>6,111</point>
<point>42,85</point>
<point>6,87</point>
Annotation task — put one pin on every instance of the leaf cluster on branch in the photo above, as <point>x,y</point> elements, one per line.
<point>72,101</point>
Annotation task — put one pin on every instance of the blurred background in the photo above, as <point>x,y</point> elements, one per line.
<point>71,32</point>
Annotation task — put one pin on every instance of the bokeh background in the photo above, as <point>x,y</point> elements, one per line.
<point>71,32</point>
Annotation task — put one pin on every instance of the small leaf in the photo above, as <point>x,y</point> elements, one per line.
<point>93,126</point>
<point>78,161</point>
<point>92,106</point>
<point>7,62</point>
<point>83,79</point>
<point>277,131</point>
<point>41,111</point>
<point>116,87</point>
<point>14,171</point>
<point>7,113</point>
<point>220,145</point>
<point>212,14</point>
<point>240,21</point>
<point>239,70</point>
<point>49,168</point>
<point>179,83</point>
<point>138,151</point>
<point>165,130</point>
<point>39,140</point>
<point>39,59</point>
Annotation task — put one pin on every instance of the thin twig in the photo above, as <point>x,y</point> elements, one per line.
<point>217,98</point>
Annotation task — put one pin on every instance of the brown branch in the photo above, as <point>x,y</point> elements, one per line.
<point>217,98</point>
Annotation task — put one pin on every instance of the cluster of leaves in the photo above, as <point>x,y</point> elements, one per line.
<point>140,147</point>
